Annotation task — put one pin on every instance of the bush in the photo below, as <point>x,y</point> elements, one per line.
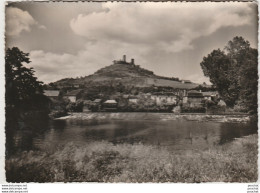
<point>193,109</point>
<point>105,162</point>
<point>75,107</point>
<point>240,108</point>
<point>216,109</point>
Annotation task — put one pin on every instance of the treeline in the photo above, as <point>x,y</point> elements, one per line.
<point>169,78</point>
<point>233,72</point>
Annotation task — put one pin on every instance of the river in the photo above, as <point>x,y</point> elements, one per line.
<point>175,134</point>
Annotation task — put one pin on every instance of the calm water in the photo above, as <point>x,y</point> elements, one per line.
<point>175,135</point>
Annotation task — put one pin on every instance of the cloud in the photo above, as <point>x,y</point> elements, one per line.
<point>169,26</point>
<point>51,67</point>
<point>159,36</point>
<point>42,27</point>
<point>18,20</point>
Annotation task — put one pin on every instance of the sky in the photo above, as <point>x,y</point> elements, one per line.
<point>76,39</point>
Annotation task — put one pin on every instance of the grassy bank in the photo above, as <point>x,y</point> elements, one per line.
<point>104,162</point>
<point>157,116</point>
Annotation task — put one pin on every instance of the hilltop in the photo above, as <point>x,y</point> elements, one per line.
<point>127,74</point>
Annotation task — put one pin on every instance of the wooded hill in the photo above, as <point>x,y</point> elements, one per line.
<point>127,75</point>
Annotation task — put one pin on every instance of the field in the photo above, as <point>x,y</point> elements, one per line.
<point>105,162</point>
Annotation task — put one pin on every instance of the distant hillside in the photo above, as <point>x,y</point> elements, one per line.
<point>127,75</point>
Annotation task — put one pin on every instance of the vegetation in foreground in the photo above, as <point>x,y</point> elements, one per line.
<point>105,162</point>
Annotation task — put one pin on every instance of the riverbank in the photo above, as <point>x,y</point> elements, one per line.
<point>159,116</point>
<point>105,162</point>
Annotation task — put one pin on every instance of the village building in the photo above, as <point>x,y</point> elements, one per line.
<point>125,96</point>
<point>96,105</point>
<point>164,98</point>
<point>76,85</point>
<point>193,99</point>
<point>74,95</point>
<point>97,101</point>
<point>110,105</point>
<point>52,94</point>
<point>133,99</point>
<point>210,95</point>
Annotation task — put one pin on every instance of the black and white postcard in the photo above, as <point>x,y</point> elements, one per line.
<point>131,92</point>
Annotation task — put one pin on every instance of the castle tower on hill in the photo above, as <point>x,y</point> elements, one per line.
<point>123,61</point>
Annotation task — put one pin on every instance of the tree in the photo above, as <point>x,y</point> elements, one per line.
<point>217,67</point>
<point>249,82</point>
<point>23,90</point>
<point>233,72</point>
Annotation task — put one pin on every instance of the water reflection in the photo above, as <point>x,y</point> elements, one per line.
<point>175,135</point>
<point>236,130</point>
<point>20,135</point>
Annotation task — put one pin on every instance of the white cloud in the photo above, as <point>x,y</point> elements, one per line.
<point>18,20</point>
<point>42,27</point>
<point>140,30</point>
<point>51,67</point>
<point>169,26</point>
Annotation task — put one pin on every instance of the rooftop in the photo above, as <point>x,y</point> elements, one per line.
<point>97,100</point>
<point>110,102</point>
<point>164,93</point>
<point>73,92</point>
<point>51,93</point>
<point>212,93</point>
<point>194,93</point>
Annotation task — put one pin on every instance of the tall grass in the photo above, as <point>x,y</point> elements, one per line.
<point>105,162</point>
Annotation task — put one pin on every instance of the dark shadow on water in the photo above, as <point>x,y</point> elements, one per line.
<point>230,131</point>
<point>20,134</point>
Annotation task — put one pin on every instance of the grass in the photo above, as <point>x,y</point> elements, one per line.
<point>105,162</point>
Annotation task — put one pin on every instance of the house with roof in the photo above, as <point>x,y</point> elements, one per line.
<point>193,99</point>
<point>97,101</point>
<point>52,94</point>
<point>133,99</point>
<point>210,95</point>
<point>110,105</point>
<point>164,98</point>
<point>75,85</point>
<point>74,95</point>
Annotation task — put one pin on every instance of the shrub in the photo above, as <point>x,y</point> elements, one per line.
<point>193,109</point>
<point>105,162</point>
